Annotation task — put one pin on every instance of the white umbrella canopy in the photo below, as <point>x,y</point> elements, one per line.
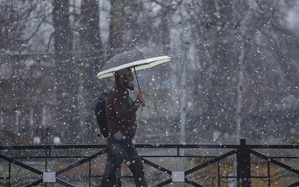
<point>137,59</point>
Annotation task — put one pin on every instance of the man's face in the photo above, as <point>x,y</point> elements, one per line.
<point>128,81</point>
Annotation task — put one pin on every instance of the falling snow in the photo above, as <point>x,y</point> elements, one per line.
<point>234,73</point>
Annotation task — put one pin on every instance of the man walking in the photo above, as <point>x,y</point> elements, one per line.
<point>121,119</point>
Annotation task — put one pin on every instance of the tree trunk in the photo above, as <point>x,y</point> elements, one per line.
<point>117,17</point>
<point>166,20</point>
<point>92,60</point>
<point>65,71</point>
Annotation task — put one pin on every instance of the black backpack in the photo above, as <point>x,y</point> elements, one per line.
<point>100,113</point>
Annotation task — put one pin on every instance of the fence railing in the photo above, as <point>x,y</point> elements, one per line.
<point>238,159</point>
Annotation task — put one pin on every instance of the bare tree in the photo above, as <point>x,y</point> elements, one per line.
<point>16,18</point>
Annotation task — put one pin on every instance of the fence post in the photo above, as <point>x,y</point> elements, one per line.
<point>9,174</point>
<point>118,177</point>
<point>243,165</point>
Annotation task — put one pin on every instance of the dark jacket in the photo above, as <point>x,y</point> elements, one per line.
<point>121,112</point>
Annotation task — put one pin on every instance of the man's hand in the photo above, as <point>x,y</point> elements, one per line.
<point>141,97</point>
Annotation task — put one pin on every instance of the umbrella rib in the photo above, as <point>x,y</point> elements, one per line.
<point>137,79</point>
<point>141,53</point>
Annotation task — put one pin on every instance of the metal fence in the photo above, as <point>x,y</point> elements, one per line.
<point>239,158</point>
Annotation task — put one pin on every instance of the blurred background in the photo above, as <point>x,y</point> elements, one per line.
<point>233,73</point>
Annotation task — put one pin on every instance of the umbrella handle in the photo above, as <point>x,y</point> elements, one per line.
<point>143,104</point>
<point>137,80</point>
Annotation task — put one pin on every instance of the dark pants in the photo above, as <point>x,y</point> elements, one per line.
<point>122,150</point>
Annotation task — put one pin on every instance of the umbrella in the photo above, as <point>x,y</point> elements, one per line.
<point>137,59</point>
